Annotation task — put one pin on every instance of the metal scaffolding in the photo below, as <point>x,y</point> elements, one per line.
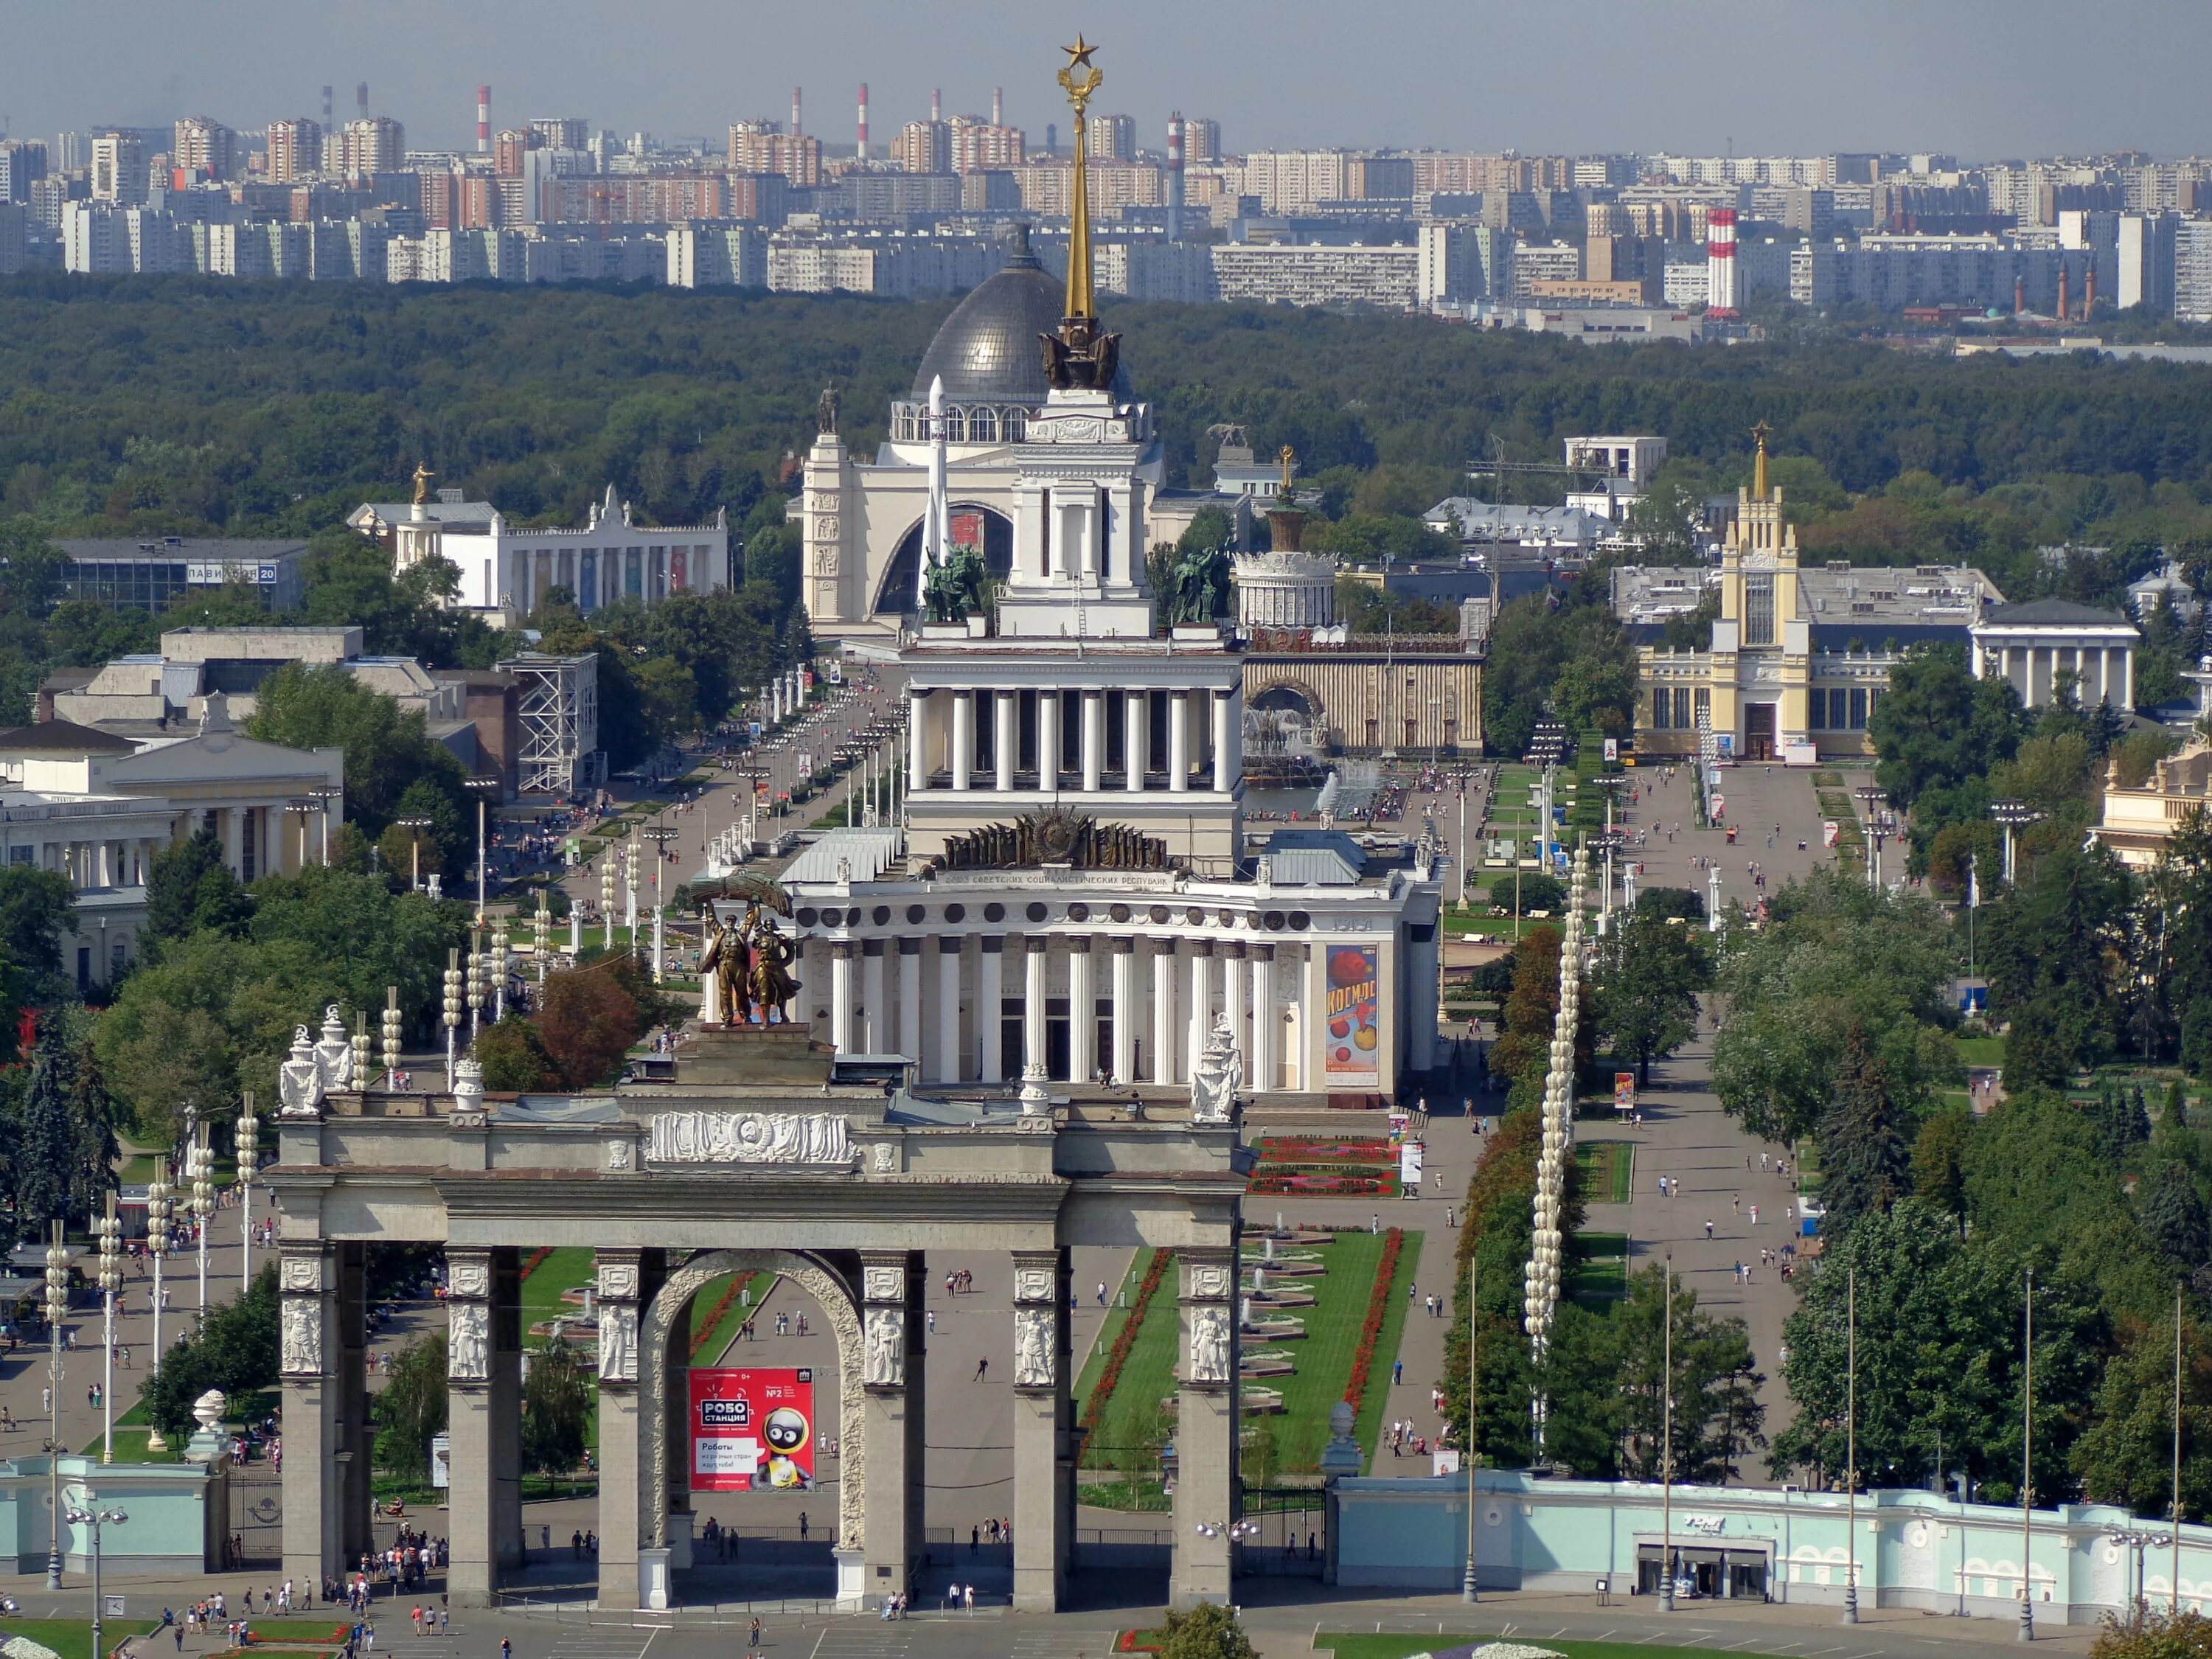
<point>558,710</point>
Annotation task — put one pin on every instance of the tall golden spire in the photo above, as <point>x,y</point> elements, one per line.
<point>1079,89</point>
<point>1759,435</point>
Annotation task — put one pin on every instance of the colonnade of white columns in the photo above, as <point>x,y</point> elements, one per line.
<point>2102,673</point>
<point>1159,1000</point>
<point>1204,739</point>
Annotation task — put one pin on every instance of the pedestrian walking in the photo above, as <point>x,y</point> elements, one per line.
<point>982,1366</point>
<point>1708,1230</point>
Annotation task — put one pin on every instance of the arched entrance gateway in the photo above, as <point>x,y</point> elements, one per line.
<point>760,1153</point>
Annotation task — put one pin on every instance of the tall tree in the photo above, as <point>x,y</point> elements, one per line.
<point>1864,1158</point>
<point>2173,1216</point>
<point>1651,969</point>
<point>46,1154</point>
<point>557,1405</point>
<point>1717,1417</point>
<point>36,908</point>
<point>1938,726</point>
<point>411,1410</point>
<point>188,887</point>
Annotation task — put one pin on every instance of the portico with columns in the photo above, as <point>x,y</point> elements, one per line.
<point>2034,647</point>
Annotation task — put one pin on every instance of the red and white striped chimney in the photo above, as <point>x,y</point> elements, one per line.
<point>998,107</point>
<point>1722,294</point>
<point>795,128</point>
<point>483,120</point>
<point>861,153</point>
<point>936,103</point>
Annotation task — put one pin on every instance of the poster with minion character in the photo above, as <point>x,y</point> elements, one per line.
<point>752,1429</point>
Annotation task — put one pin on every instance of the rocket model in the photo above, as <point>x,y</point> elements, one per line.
<point>936,527</point>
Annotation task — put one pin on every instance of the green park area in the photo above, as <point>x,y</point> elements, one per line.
<point>71,1638</point>
<point>1301,1357</point>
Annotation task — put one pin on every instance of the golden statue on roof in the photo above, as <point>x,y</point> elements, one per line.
<point>1290,460</point>
<point>423,476</point>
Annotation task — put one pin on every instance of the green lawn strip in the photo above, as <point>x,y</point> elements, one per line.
<point>1334,1339</point>
<point>131,1447</point>
<point>1128,1430</point>
<point>742,1308</point>
<point>561,1270</point>
<point>1989,1052</point>
<point>1117,1314</point>
<point>1608,1169</point>
<point>1365,1644</point>
<point>71,1638</point>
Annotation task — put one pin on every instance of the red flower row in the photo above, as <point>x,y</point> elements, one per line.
<point>537,1261</point>
<point>1370,1328</point>
<point>1109,1375</point>
<point>1315,1184</point>
<point>703,1330</point>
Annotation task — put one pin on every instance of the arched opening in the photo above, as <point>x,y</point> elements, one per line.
<point>748,1426</point>
<point>971,522</point>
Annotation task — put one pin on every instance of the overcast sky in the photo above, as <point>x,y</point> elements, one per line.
<point>1983,79</point>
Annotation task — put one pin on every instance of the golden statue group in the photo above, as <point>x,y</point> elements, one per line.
<point>747,968</point>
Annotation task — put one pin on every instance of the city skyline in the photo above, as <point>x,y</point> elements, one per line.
<point>1965,77</point>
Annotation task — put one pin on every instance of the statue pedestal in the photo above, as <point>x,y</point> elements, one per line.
<point>773,1054</point>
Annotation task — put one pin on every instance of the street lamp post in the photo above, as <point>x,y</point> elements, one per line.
<point>1871,800</point>
<point>323,798</point>
<point>476,978</point>
<point>541,932</point>
<point>56,1311</point>
<point>249,1165</point>
<point>1667,1448</point>
<point>659,834</point>
<point>2028,1467</point>
<point>452,1011</point>
<point>1470,1589</point>
<point>111,1282</point>
<point>160,1206</point>
<point>498,968</point>
<point>1851,1447</point>
<point>414,827</point>
<point>607,901</point>
<point>89,1516</point>
<point>202,1157</point>
<point>394,1025</point>
<point>483,787</point>
<point>302,810</point>
<point>2013,816</point>
<point>629,892</point>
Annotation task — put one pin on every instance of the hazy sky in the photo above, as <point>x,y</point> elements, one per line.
<point>1983,79</point>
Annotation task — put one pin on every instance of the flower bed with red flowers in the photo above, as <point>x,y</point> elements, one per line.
<point>1139,1641</point>
<point>535,1260</point>
<point>1322,1183</point>
<point>703,1331</point>
<point>1325,1149</point>
<point>1109,1375</point>
<point>1370,1328</point>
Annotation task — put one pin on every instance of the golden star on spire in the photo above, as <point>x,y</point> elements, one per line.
<point>1079,53</point>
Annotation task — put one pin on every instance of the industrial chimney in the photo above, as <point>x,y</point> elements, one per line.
<point>2019,295</point>
<point>998,107</point>
<point>1722,298</point>
<point>2064,292</point>
<point>361,99</point>
<point>936,103</point>
<point>794,112</point>
<point>483,120</point>
<point>2089,294</point>
<point>861,153</point>
<point>1174,176</point>
<point>326,109</point>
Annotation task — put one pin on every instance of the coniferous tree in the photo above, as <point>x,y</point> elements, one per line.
<point>45,1158</point>
<point>92,1135</point>
<point>1865,1158</point>
<point>2174,1216</point>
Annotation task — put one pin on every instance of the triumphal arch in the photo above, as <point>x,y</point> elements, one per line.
<point>759,1149</point>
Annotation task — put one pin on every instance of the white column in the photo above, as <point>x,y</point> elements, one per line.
<point>231,826</point>
<point>963,738</point>
<point>841,995</point>
<point>1034,946</point>
<point>944,1065</point>
<point>876,1032</point>
<point>1094,738</point>
<point>1165,1044</point>
<point>1082,1009</point>
<point>103,874</point>
<point>917,738</point>
<point>1223,781</point>
<point>1005,738</point>
<point>1266,1019</point>
<point>1047,739</point>
<point>1136,735</point>
<point>2127,678</point>
<point>990,996</point>
<point>1179,742</point>
<point>1125,1011</point>
<point>910,1000</point>
<point>1232,995</point>
<point>1201,1022</point>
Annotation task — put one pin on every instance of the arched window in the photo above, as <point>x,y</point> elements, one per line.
<point>983,427</point>
<point>905,424</point>
<point>956,426</point>
<point>1017,424</point>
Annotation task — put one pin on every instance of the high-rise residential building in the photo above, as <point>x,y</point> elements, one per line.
<point>119,169</point>
<point>510,147</point>
<point>296,149</point>
<point>1379,178</point>
<point>2145,258</point>
<point>22,164</point>
<point>563,132</point>
<point>1113,138</point>
<point>1290,181</point>
<point>374,144</point>
<point>69,152</point>
<point>206,148</point>
<point>2192,271</point>
<point>1048,187</point>
<point>981,146</point>
<point>1201,139</point>
<point>765,146</point>
<point>924,147</point>
<point>15,220</point>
